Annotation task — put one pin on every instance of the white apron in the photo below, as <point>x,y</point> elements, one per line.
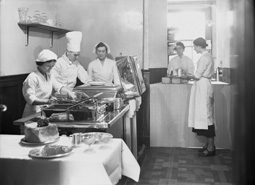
<point>201,107</point>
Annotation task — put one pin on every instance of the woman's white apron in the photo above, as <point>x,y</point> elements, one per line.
<point>201,107</point>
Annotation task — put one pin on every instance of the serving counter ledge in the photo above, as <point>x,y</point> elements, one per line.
<point>106,121</point>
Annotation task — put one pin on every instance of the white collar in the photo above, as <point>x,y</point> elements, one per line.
<point>204,52</point>
<point>67,59</point>
<point>104,60</point>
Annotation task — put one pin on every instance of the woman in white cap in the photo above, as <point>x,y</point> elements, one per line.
<point>103,69</point>
<point>39,85</point>
<point>201,107</point>
<point>67,68</point>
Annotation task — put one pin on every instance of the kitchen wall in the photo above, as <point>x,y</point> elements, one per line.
<point>119,23</point>
<point>116,22</point>
<point>224,21</point>
<point>156,34</point>
<point>15,57</point>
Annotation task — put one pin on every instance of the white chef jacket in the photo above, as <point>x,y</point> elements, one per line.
<point>201,107</point>
<point>185,63</point>
<point>107,72</point>
<point>66,72</point>
<point>37,86</point>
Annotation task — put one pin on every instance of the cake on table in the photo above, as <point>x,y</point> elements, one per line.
<point>41,131</point>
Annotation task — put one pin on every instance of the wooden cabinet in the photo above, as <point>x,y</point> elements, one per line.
<point>11,96</point>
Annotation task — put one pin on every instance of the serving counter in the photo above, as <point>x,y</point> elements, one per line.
<point>105,122</point>
<point>120,123</point>
<point>104,165</point>
<point>169,104</point>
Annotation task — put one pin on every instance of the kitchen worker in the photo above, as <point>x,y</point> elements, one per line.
<point>180,62</point>
<point>201,107</point>
<point>39,85</point>
<point>102,68</point>
<point>67,67</point>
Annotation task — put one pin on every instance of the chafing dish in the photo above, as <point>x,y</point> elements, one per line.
<point>108,91</point>
<point>88,109</point>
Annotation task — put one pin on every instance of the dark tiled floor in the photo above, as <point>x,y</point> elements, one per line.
<point>181,166</point>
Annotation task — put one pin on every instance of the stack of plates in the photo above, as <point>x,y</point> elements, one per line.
<point>97,83</point>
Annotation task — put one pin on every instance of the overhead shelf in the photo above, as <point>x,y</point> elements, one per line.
<point>52,29</point>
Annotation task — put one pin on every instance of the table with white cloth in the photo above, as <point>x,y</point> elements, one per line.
<point>104,165</point>
<point>169,107</point>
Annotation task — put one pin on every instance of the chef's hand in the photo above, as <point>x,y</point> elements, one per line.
<point>71,94</point>
<point>52,100</point>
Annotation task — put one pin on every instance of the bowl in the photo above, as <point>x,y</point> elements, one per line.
<point>105,137</point>
<point>89,138</point>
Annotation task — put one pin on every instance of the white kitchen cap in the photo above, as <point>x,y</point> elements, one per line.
<point>46,55</point>
<point>74,41</point>
<point>103,43</point>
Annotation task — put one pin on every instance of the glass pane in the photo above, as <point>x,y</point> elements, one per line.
<point>189,24</point>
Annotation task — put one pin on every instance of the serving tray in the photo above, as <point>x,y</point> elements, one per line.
<point>50,151</point>
<point>23,141</point>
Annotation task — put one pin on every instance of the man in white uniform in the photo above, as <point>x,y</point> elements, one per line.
<point>103,69</point>
<point>67,68</point>
<point>180,62</point>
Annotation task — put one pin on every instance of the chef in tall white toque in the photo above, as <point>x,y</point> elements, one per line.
<point>67,68</point>
<point>39,85</point>
<point>102,68</point>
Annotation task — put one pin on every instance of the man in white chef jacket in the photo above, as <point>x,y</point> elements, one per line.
<point>67,67</point>
<point>102,68</point>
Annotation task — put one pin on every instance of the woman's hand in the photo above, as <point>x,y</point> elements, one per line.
<point>186,77</point>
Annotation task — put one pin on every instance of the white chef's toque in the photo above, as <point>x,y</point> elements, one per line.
<point>74,41</point>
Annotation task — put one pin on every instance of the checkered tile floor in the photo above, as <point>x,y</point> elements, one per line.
<point>182,166</point>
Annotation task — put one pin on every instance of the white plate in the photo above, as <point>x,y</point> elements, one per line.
<point>23,141</point>
<point>97,83</point>
<point>58,151</point>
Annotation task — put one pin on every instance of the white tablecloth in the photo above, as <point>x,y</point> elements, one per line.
<point>102,167</point>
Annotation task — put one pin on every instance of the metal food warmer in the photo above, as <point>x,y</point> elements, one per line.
<point>108,91</point>
<point>85,110</point>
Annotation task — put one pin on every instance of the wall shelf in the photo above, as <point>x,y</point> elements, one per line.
<point>52,29</point>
